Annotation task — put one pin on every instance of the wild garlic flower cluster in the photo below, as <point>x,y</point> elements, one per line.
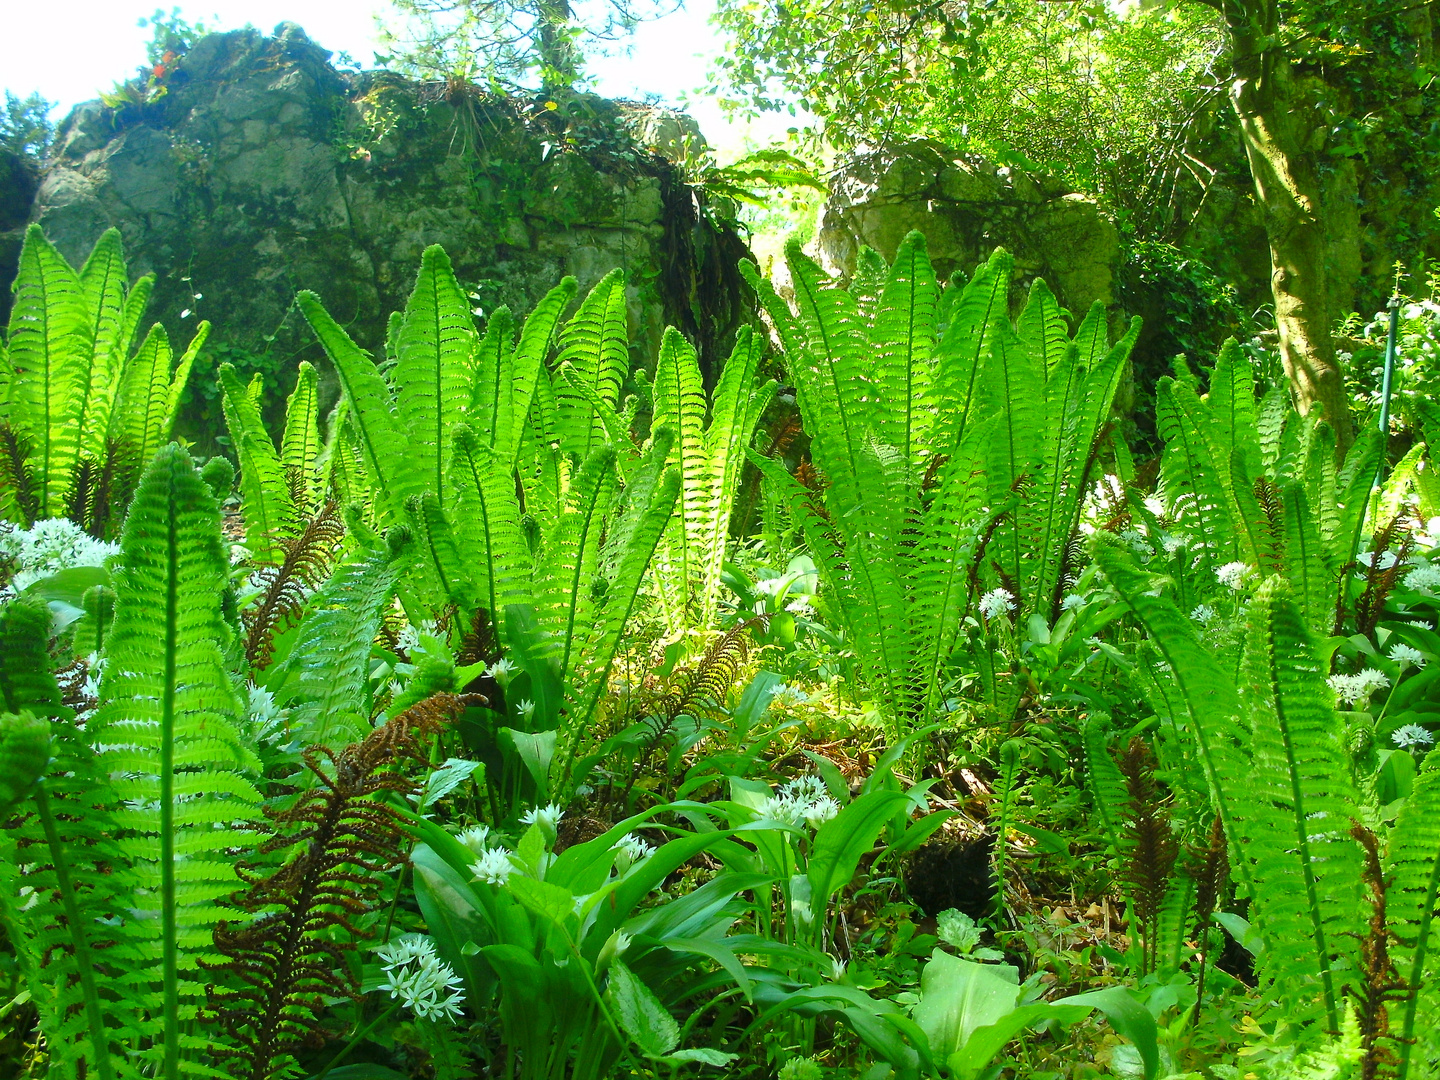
<point>803,799</point>
<point>996,602</point>
<point>417,978</point>
<point>631,850</point>
<point>1355,688</point>
<point>51,545</point>
<point>494,866</point>
<point>1233,574</point>
<point>1425,577</point>
<point>1412,735</point>
<point>547,817</point>
<point>1204,614</point>
<point>1407,656</point>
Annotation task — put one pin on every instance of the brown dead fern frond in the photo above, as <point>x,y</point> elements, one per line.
<point>1209,868</point>
<point>1390,550</point>
<point>1149,849</point>
<point>305,562</point>
<point>286,963</point>
<point>1380,983</point>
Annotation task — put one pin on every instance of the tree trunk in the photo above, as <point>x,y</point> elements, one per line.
<point>1281,134</point>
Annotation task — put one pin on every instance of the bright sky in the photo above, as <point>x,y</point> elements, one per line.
<point>69,50</point>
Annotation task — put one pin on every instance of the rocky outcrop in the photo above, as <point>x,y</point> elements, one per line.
<point>19,180</point>
<point>966,209</point>
<point>262,170</point>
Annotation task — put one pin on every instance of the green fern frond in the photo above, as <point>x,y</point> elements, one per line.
<point>50,346</point>
<point>379,431</point>
<point>595,342</point>
<point>1412,862</point>
<point>965,346</point>
<point>1212,707</point>
<point>327,670</point>
<point>1313,582</point>
<point>72,929</point>
<point>167,730</point>
<point>102,281</point>
<point>1231,402</point>
<point>149,395</point>
<point>432,373</point>
<point>488,523</point>
<point>903,336</point>
<point>269,511</point>
<point>300,445</point>
<point>1305,867</point>
<point>1041,329</point>
<point>26,682</point>
<point>530,380</point>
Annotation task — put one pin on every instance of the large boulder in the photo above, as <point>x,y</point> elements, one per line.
<point>263,170</point>
<point>967,208</point>
<point>19,179</point>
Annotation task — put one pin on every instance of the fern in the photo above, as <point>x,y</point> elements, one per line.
<point>345,839</point>
<point>304,565</point>
<point>709,461</point>
<point>149,393</point>
<point>267,506</point>
<point>1412,864</point>
<point>167,730</point>
<point>595,343</point>
<point>300,446</point>
<point>949,462</point>
<point>65,841</point>
<point>327,670</point>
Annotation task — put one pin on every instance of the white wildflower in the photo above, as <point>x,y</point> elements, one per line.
<point>474,838</point>
<point>94,669</point>
<point>49,546</point>
<point>1072,602</point>
<point>420,980</point>
<point>837,969</point>
<point>239,554</point>
<point>996,601</point>
<point>494,867</point>
<point>808,786</point>
<point>1135,540</point>
<point>1204,614</point>
<point>1406,655</point>
<point>404,950</point>
<point>632,849</point>
<point>1232,574</point>
<point>500,670</point>
<point>408,640</point>
<point>267,719</point>
<point>1172,543</point>
<point>799,606</point>
<point>547,817</point>
<point>1424,577</point>
<point>1355,688</point>
<point>820,811</point>
<point>1412,735</point>
<point>527,709</point>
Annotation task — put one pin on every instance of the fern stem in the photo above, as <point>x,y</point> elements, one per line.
<point>169,929</point>
<point>76,923</point>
